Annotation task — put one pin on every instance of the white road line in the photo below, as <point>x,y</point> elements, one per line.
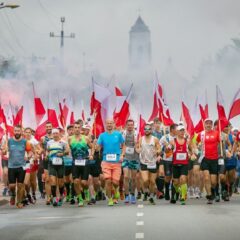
<point>140,206</point>
<point>140,214</point>
<point>139,235</point>
<point>140,223</point>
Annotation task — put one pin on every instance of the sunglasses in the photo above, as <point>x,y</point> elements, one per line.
<point>147,129</point>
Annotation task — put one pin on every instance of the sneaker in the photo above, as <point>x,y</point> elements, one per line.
<point>4,193</point>
<point>48,202</point>
<point>139,195</point>
<point>167,197</point>
<point>209,199</point>
<point>160,195</point>
<point>92,201</point>
<point>121,195</point>
<point>217,198</point>
<point>29,198</point>
<point>197,193</point>
<point>115,201</point>
<point>151,200</point>
<point>110,202</point>
<point>133,199</point>
<point>191,193</point>
<point>182,201</point>
<point>145,197</point>
<point>127,199</point>
<point>34,198</point>
<point>103,196</point>
<point>80,201</point>
<point>117,195</point>
<point>55,202</point>
<point>12,201</point>
<point>87,195</point>
<point>173,201</point>
<point>60,201</point>
<point>72,201</point>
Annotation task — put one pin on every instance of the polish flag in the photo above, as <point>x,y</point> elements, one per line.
<point>64,112</point>
<point>187,119</point>
<point>141,125</point>
<point>118,92</point>
<point>203,105</point>
<point>221,111</point>
<point>235,107</point>
<point>157,92</point>
<point>51,113</point>
<point>38,107</point>
<point>72,118</point>
<point>41,128</point>
<point>99,95</point>
<point>19,117</point>
<point>122,117</point>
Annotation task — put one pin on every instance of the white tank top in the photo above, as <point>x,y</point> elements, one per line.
<point>148,153</point>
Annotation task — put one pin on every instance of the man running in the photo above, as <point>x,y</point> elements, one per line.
<point>112,143</point>
<point>17,147</point>
<point>168,157</point>
<point>130,163</point>
<point>210,140</point>
<point>80,145</point>
<point>56,150</point>
<point>149,149</point>
<point>44,141</point>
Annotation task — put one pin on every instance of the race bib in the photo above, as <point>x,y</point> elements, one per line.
<point>57,161</point>
<point>67,161</point>
<point>130,150</point>
<point>220,161</point>
<point>111,157</point>
<point>181,156</point>
<point>80,162</point>
<point>151,166</point>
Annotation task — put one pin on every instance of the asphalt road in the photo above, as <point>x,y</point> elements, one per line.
<point>163,221</point>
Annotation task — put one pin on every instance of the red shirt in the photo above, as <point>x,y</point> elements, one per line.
<point>180,154</point>
<point>238,137</point>
<point>210,141</point>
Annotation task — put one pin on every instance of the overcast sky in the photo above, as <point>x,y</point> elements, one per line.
<point>188,31</point>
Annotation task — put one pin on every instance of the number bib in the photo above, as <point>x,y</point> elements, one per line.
<point>111,157</point>
<point>151,165</point>
<point>57,161</point>
<point>181,156</point>
<point>67,161</point>
<point>221,161</point>
<point>130,150</point>
<point>80,162</point>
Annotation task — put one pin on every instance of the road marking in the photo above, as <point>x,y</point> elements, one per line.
<point>140,214</point>
<point>140,223</point>
<point>139,235</point>
<point>140,206</point>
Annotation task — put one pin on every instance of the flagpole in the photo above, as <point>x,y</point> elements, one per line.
<point>220,138</point>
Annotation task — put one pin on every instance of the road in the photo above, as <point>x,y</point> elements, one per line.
<point>163,221</point>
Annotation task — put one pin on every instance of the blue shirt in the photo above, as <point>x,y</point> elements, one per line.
<point>111,143</point>
<point>16,153</point>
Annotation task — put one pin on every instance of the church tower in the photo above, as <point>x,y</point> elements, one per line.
<point>139,45</point>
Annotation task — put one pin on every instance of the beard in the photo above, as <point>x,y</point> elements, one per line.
<point>17,136</point>
<point>49,132</point>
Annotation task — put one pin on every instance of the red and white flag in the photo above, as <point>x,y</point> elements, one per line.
<point>122,116</point>
<point>19,117</point>
<point>187,119</point>
<point>223,121</point>
<point>99,95</point>
<point>51,112</point>
<point>235,107</point>
<point>140,127</point>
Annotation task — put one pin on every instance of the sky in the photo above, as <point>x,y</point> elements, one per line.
<point>189,32</point>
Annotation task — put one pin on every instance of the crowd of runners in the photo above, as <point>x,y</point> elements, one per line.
<point>72,166</point>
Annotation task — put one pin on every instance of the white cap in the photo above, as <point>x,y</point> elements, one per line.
<point>180,127</point>
<point>86,127</point>
<point>55,130</point>
<point>180,123</point>
<point>234,129</point>
<point>150,123</point>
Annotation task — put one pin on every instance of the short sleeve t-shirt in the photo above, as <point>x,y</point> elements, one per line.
<point>55,147</point>
<point>111,143</point>
<point>210,141</point>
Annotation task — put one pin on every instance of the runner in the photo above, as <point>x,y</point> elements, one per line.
<point>44,141</point>
<point>149,150</point>
<point>130,163</point>
<point>112,143</point>
<point>210,140</point>
<point>56,149</point>
<point>68,163</point>
<point>181,148</point>
<point>17,147</point>
<point>30,180</point>
<point>167,158</point>
<point>4,167</point>
<point>79,145</point>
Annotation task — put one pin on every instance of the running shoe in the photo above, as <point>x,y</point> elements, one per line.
<point>110,202</point>
<point>60,201</point>
<point>121,195</point>
<point>167,196</point>
<point>12,200</point>
<point>55,202</point>
<point>209,199</point>
<point>117,195</point>
<point>87,195</point>
<point>48,202</point>
<point>80,201</point>
<point>72,201</point>
<point>182,201</point>
<point>29,198</point>
<point>217,198</point>
<point>92,201</point>
<point>139,195</point>
<point>68,198</point>
<point>145,197</point>
<point>133,199</point>
<point>127,199</point>
<point>151,200</point>
<point>4,193</point>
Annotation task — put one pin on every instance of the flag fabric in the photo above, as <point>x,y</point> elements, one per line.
<point>223,121</point>
<point>141,125</point>
<point>235,106</point>
<point>19,117</point>
<point>155,108</point>
<point>51,112</point>
<point>187,119</point>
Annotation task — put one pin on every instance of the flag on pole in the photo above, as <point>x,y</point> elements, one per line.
<point>235,106</point>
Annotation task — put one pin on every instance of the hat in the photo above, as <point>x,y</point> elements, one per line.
<point>55,130</point>
<point>86,126</point>
<point>180,127</point>
<point>234,129</point>
<point>208,119</point>
<point>180,123</point>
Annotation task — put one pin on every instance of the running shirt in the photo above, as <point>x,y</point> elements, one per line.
<point>180,153</point>
<point>111,143</point>
<point>157,134</point>
<point>78,148</point>
<point>130,140</point>
<point>148,152</point>
<point>168,152</point>
<point>55,147</point>
<point>16,153</point>
<point>233,160</point>
<point>210,141</point>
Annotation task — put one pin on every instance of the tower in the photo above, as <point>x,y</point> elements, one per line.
<point>139,45</point>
